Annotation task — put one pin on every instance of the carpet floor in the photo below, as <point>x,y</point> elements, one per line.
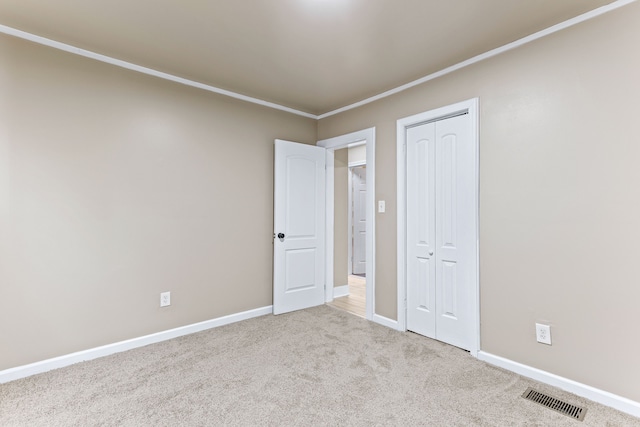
<point>319,366</point>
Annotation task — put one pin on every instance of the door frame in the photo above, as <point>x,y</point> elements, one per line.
<point>350,214</point>
<point>336,143</point>
<point>471,107</point>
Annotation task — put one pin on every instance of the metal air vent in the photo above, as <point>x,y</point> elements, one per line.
<point>565,408</point>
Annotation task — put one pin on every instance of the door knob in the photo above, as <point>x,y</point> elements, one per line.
<point>280,236</point>
<point>430,253</point>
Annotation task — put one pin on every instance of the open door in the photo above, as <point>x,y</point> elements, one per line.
<point>299,227</point>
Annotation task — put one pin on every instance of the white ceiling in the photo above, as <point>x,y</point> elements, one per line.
<point>311,55</point>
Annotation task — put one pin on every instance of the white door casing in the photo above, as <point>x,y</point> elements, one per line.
<point>359,219</point>
<point>438,282</point>
<point>299,227</point>
<point>354,138</point>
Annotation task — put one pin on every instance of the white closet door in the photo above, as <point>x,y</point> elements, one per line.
<point>455,235</point>
<point>441,240</point>
<point>421,230</point>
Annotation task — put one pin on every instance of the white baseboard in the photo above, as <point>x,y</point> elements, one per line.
<point>340,291</point>
<point>385,321</point>
<point>105,350</point>
<point>600,396</point>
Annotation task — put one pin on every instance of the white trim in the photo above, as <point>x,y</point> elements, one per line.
<point>350,221</point>
<point>130,66</point>
<point>600,396</point>
<point>357,163</point>
<point>341,291</point>
<point>105,350</point>
<point>401,225</point>
<point>497,51</point>
<point>144,70</point>
<point>471,106</point>
<point>336,143</point>
<point>329,225</point>
<point>350,139</point>
<point>385,321</point>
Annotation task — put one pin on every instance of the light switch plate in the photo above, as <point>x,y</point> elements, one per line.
<point>381,206</point>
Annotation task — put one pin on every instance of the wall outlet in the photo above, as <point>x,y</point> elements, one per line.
<point>543,333</point>
<point>165,299</point>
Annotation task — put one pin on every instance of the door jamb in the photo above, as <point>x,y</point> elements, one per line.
<point>471,106</point>
<point>336,143</point>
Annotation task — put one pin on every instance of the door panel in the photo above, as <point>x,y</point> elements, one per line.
<point>424,168</point>
<point>300,269</point>
<point>299,215</point>
<point>425,301</point>
<point>456,243</point>
<point>300,208</point>
<point>421,228</point>
<point>449,289</point>
<point>446,156</point>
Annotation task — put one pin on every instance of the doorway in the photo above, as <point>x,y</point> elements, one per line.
<point>350,203</point>
<point>438,282</point>
<point>339,257</point>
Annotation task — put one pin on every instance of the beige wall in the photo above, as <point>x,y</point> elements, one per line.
<point>341,218</point>
<point>559,203</point>
<point>114,187</point>
<point>358,153</point>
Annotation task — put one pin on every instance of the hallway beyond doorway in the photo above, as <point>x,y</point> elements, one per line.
<point>353,303</point>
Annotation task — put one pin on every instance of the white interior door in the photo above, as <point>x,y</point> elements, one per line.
<point>441,239</point>
<point>359,220</point>
<point>299,226</point>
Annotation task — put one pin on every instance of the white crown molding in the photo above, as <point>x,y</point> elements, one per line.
<point>144,70</point>
<point>105,350</point>
<point>130,66</point>
<point>497,51</point>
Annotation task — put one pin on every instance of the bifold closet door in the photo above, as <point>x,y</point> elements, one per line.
<point>421,229</point>
<point>441,236</point>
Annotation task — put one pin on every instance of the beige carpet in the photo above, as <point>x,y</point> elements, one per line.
<point>320,366</point>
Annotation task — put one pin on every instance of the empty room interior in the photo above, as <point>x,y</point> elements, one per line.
<point>305,212</point>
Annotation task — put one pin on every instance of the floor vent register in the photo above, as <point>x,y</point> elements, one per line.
<point>565,408</point>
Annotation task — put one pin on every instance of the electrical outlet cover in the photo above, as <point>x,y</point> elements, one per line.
<point>165,299</point>
<point>543,333</point>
